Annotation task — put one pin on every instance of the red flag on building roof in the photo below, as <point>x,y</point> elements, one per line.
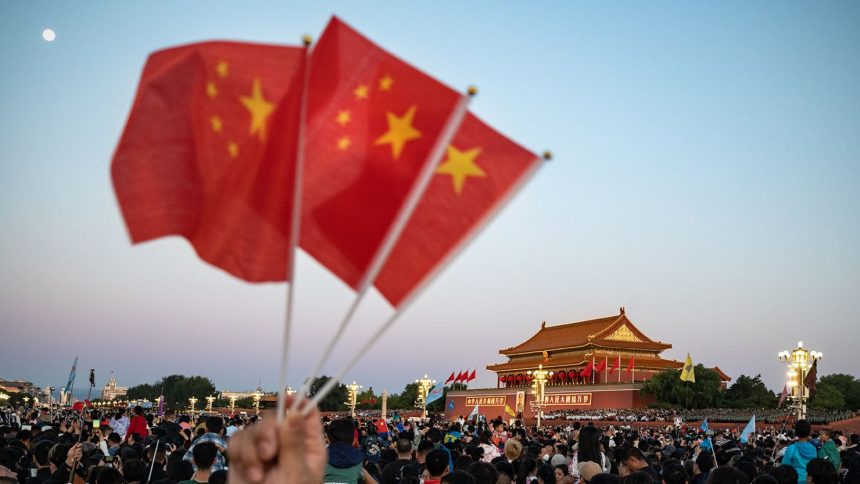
<point>450,378</point>
<point>194,160</point>
<point>601,366</point>
<point>631,365</point>
<point>482,169</point>
<point>460,377</point>
<point>472,376</point>
<point>372,121</point>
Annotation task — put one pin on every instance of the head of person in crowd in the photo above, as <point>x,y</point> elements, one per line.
<point>214,424</point>
<point>436,463</point>
<point>587,470</point>
<point>674,473</point>
<point>784,474</point>
<point>458,477</point>
<point>484,473</point>
<point>727,475</point>
<point>513,449</point>
<point>588,445</point>
<point>561,471</point>
<point>704,462</point>
<point>819,471</point>
<point>606,478</point>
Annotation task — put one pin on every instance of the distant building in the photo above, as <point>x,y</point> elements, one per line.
<point>111,391</point>
<point>599,363</point>
<point>21,386</point>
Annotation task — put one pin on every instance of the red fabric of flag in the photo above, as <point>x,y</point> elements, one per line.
<point>371,123</point>
<point>194,160</point>
<point>601,366</point>
<point>480,171</point>
<point>450,378</point>
<point>460,377</point>
<point>586,372</point>
<point>616,365</point>
<point>472,376</point>
<point>631,365</point>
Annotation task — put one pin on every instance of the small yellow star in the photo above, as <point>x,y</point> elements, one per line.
<point>221,68</point>
<point>385,83</point>
<point>343,117</point>
<point>343,143</point>
<point>233,149</point>
<point>217,124</point>
<point>259,108</point>
<point>211,89</point>
<point>460,165</point>
<point>360,92</point>
<point>400,130</point>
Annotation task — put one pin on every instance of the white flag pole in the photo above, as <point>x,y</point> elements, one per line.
<point>412,296</point>
<point>295,226</point>
<point>404,214</point>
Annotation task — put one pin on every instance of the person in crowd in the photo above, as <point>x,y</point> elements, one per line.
<point>204,457</point>
<point>344,460</point>
<point>634,461</point>
<point>828,450</point>
<point>436,466</point>
<point>799,454</point>
<point>393,472</point>
<point>213,429</point>
<point>702,466</point>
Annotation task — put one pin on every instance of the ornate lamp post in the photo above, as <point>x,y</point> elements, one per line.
<point>352,396</point>
<point>193,401</point>
<point>539,379</point>
<point>424,386</point>
<point>233,399</point>
<point>257,395</point>
<point>26,402</point>
<point>209,400</point>
<point>799,363</point>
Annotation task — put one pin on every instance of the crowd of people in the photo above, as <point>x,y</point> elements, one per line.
<point>725,415</point>
<point>133,446</point>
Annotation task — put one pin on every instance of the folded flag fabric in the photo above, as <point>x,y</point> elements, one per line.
<point>749,429</point>
<point>435,393</point>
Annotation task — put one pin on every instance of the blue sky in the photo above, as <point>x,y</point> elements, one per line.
<point>705,178</point>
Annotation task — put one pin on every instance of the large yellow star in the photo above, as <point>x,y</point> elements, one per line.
<point>259,108</point>
<point>461,164</point>
<point>385,83</point>
<point>400,130</point>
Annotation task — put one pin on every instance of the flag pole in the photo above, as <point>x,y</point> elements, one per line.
<point>413,295</point>
<point>455,119</point>
<point>295,226</point>
<point>81,419</point>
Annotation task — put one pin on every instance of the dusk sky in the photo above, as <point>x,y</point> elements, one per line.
<point>705,177</point>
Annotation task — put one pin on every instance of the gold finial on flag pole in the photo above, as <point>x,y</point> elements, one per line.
<point>472,91</point>
<point>547,155</point>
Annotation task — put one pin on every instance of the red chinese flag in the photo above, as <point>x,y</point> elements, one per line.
<point>631,365</point>
<point>460,377</point>
<point>472,376</point>
<point>450,379</point>
<point>586,372</point>
<point>481,170</point>
<point>194,159</point>
<point>601,366</point>
<point>616,365</point>
<point>372,121</point>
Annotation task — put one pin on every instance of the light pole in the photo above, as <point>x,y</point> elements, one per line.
<point>209,400</point>
<point>193,401</point>
<point>799,362</point>
<point>257,395</point>
<point>352,396</point>
<point>26,402</point>
<point>539,379</point>
<point>233,399</point>
<point>424,386</point>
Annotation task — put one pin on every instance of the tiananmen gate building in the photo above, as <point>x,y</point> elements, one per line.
<point>599,363</point>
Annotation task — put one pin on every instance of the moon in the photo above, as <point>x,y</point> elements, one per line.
<point>49,35</point>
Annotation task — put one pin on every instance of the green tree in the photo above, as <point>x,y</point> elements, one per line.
<point>367,399</point>
<point>669,389</point>
<point>177,390</point>
<point>335,400</point>
<point>750,392</point>
<point>828,397</point>
<point>847,385</point>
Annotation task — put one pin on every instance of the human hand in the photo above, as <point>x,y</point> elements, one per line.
<point>271,452</point>
<point>74,456</point>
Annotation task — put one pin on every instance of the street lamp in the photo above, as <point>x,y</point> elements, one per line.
<point>539,379</point>
<point>233,399</point>
<point>257,395</point>
<point>799,362</point>
<point>193,401</point>
<point>26,402</point>
<point>210,399</point>
<point>424,386</point>
<point>352,396</point>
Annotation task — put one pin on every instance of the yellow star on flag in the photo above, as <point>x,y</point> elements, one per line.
<point>460,165</point>
<point>343,143</point>
<point>233,149</point>
<point>360,92</point>
<point>343,117</point>
<point>221,68</point>
<point>385,83</point>
<point>217,124</point>
<point>400,130</point>
<point>211,89</point>
<point>259,108</point>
